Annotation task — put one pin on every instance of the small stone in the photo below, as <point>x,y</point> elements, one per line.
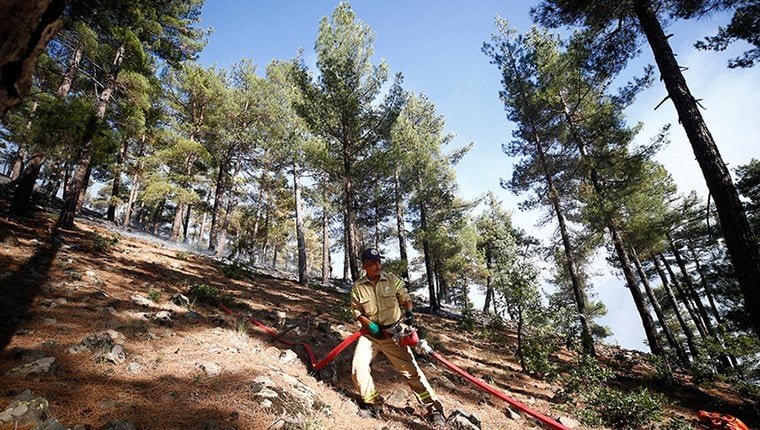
<point>117,355</point>
<point>163,318</point>
<point>211,369</point>
<point>134,367</point>
<point>287,356</point>
<point>568,422</point>
<point>180,299</point>
<point>140,300</point>
<point>511,414</point>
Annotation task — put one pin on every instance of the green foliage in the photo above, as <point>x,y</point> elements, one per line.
<point>587,384</point>
<point>466,321</point>
<point>235,270</point>
<point>677,423</point>
<point>538,345</point>
<point>584,377</point>
<point>105,244</point>
<point>154,295</point>
<point>183,255</point>
<point>343,313</point>
<point>210,295</point>
<point>618,409</point>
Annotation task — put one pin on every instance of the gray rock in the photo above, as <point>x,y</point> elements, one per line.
<point>140,300</point>
<point>511,414</point>
<point>163,318</point>
<point>26,409</point>
<point>568,422</point>
<point>287,356</point>
<point>134,367</point>
<point>210,369</point>
<point>41,365</point>
<point>460,420</point>
<point>180,299</point>
<point>120,425</point>
<point>50,424</point>
<point>116,355</point>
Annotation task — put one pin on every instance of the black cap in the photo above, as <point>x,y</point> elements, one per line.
<point>371,254</point>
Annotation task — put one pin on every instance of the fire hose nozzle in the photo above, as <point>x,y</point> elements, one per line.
<point>423,347</point>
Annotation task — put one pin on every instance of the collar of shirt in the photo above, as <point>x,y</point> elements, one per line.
<point>364,279</point>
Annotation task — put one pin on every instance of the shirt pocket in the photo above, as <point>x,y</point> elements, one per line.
<point>368,307</point>
<point>388,301</point>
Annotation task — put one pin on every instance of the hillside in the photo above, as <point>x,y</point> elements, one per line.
<point>87,322</point>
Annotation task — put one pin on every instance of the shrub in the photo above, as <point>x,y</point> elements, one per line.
<point>234,270</point>
<point>154,295</point>
<point>467,320</point>
<point>618,409</point>
<point>104,244</point>
<point>183,255</point>
<point>210,295</point>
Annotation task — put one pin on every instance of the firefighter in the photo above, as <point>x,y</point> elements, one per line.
<point>376,302</point>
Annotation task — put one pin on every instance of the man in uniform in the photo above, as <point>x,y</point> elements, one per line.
<point>375,301</point>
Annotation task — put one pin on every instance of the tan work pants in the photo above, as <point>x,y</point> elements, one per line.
<point>402,359</point>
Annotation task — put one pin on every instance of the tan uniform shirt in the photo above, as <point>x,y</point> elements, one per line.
<point>380,303</point>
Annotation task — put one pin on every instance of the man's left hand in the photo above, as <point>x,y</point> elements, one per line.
<point>409,317</point>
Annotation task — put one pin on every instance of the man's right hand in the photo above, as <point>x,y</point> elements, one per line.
<point>374,329</point>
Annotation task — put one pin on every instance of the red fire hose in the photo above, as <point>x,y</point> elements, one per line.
<point>421,347</point>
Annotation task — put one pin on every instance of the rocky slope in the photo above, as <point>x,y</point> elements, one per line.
<point>96,333</point>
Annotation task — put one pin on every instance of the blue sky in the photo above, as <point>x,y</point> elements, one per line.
<point>436,45</point>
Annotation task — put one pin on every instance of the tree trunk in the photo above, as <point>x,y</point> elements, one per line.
<point>705,286</point>
<point>435,306</point>
<point>221,189</point>
<point>116,188</point>
<point>682,297</point>
<point>21,204</point>
<point>325,243</point>
<point>29,26</point>
<point>577,286</point>
<point>676,309</point>
<point>638,299</point>
<point>186,223</point>
<point>740,241</point>
<point>489,287</point>
<point>400,226</point>
<point>350,213</point>
<point>68,211</point>
<point>135,183</point>
<point>83,190</point>
<point>17,166</point>
<point>302,269</point>
<point>690,288</point>
<point>179,216</point>
<point>680,353</point>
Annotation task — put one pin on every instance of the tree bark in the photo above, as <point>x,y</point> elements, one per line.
<point>676,309</point>
<point>400,226</point>
<point>22,198</point>
<point>705,286</point>
<point>680,353</point>
<point>690,288</point>
<point>116,188</point>
<point>325,243</point>
<point>638,299</point>
<point>489,287</point>
<point>740,240</point>
<point>302,269</point>
<point>685,300</point>
<point>28,27</point>
<point>136,177</point>
<point>435,306</point>
<point>221,189</point>
<point>350,212</point>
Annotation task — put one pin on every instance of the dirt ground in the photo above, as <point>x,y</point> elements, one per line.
<point>57,288</point>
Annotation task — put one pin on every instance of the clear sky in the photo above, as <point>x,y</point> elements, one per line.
<point>436,45</point>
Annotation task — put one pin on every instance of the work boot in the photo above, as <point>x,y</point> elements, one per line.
<point>436,419</point>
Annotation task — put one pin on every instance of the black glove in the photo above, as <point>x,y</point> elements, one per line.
<point>409,317</point>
